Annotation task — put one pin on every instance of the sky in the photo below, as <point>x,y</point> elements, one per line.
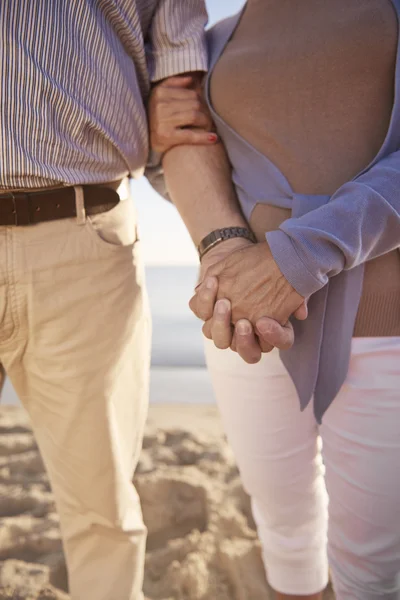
<point>165,240</point>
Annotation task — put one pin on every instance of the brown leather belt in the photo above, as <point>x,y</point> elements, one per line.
<point>29,208</point>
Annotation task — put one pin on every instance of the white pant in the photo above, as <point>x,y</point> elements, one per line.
<point>279,456</point>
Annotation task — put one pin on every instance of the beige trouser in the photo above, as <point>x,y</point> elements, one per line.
<point>75,342</point>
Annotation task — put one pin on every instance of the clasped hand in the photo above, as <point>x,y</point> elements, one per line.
<point>245,301</point>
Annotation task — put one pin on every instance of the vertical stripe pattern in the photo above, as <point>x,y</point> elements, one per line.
<point>75,75</point>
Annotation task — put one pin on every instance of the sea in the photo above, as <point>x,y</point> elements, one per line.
<point>178,371</point>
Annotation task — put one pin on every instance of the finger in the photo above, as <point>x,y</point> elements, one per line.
<point>272,333</point>
<point>178,81</point>
<point>302,312</point>
<point>265,347</point>
<point>173,97</point>
<point>192,137</point>
<point>191,117</point>
<point>179,107</point>
<point>203,302</point>
<point>206,329</point>
<point>182,137</point>
<point>221,329</point>
<point>168,99</point>
<point>246,343</point>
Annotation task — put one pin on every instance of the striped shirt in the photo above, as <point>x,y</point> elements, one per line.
<point>75,76</point>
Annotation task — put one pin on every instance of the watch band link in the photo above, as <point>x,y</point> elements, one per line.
<point>221,235</point>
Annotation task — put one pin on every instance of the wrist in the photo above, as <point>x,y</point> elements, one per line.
<point>223,248</point>
<point>219,236</point>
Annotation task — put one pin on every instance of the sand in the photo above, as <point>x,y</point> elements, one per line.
<point>202,542</point>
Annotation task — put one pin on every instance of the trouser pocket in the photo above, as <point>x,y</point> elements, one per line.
<point>116,228</point>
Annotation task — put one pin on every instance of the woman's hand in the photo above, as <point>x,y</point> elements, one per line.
<point>178,114</point>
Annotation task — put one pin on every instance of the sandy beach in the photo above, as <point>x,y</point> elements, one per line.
<point>202,543</point>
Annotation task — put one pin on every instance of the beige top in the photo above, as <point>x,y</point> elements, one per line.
<point>300,81</point>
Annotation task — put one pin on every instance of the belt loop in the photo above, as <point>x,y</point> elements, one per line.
<point>80,205</point>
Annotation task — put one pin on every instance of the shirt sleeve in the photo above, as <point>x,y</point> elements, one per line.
<point>359,223</point>
<point>177,42</point>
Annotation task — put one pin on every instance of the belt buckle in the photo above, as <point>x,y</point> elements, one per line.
<point>21,208</point>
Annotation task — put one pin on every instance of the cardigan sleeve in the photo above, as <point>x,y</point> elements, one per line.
<point>360,222</point>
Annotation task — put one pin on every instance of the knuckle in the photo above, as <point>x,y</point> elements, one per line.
<point>204,295</point>
<point>203,314</point>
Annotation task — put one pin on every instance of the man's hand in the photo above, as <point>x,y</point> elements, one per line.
<point>249,342</point>
<point>219,253</point>
<point>252,281</point>
<point>179,115</point>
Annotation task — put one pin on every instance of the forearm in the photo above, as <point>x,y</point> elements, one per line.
<point>200,185</point>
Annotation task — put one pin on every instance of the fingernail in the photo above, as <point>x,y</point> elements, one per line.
<point>210,284</point>
<point>243,328</point>
<point>221,307</point>
<point>212,137</point>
